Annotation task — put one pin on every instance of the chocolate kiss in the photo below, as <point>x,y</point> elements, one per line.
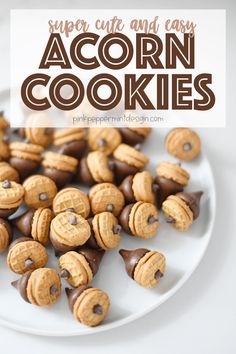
<point>131,259</point>
<point>21,284</point>
<point>24,222</point>
<point>192,200</point>
<point>93,257</point>
<point>73,294</point>
<point>166,187</point>
<point>126,189</point>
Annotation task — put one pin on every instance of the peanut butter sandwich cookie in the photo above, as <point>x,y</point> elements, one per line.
<point>3,122</point>
<point>181,209</point>
<point>35,223</point>
<point>26,254</point>
<point>41,287</point>
<point>94,169</point>
<point>5,235</point>
<point>183,143</point>
<point>59,167</point>
<point>68,231</point>
<point>39,136</point>
<point>72,199</point>
<point>89,305</point>
<point>106,197</point>
<point>25,158</point>
<point>140,187</point>
<point>128,160</point>
<point>105,231</point>
<point>144,266</point>
<point>140,219</point>
<point>39,191</point>
<point>171,178</point>
<point>11,197</point>
<point>133,136</point>
<point>7,172</point>
<point>103,139</point>
<point>71,141</point>
<point>79,268</point>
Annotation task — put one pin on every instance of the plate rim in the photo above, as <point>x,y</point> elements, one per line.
<point>137,315</point>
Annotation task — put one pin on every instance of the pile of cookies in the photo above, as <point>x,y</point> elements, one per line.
<point>39,170</point>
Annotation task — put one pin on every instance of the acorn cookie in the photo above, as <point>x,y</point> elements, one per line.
<point>103,139</point>
<point>35,223</point>
<point>79,268</point>
<point>26,254</point>
<point>68,231</point>
<point>89,305</point>
<point>41,287</point>
<point>106,197</point>
<point>94,169</point>
<point>7,172</point>
<point>171,178</point>
<point>183,143</point>
<point>71,141</point>
<point>39,136</point>
<point>144,266</point>
<point>128,161</point>
<point>11,197</point>
<point>139,187</point>
<point>25,158</point>
<point>5,235</point>
<point>39,191</point>
<point>133,136</point>
<point>181,209</point>
<point>140,219</point>
<point>105,231</point>
<point>60,168</point>
<point>72,199</point>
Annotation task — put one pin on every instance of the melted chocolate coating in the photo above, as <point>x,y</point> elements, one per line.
<point>74,148</point>
<point>84,174</point>
<point>124,218</point>
<point>21,284</point>
<point>93,257</point>
<point>123,170</point>
<point>131,259</point>
<point>61,178</point>
<point>167,187</point>
<point>73,294</point>
<point>24,222</point>
<point>25,168</point>
<point>131,137</point>
<point>192,200</point>
<point>126,189</point>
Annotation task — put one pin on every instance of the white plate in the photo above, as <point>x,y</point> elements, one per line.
<point>129,301</point>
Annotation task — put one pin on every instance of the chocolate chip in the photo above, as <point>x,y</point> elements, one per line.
<point>187,147</point>
<point>117,229</point>
<point>98,309</point>
<point>178,163</point>
<point>102,142</point>
<point>28,262</point>
<point>6,184</point>
<point>70,210</point>
<point>152,219</point>
<point>64,274</point>
<point>137,147</point>
<point>43,196</point>
<point>53,290</point>
<point>158,275</point>
<point>110,208</point>
<point>155,187</point>
<point>170,220</point>
<point>73,220</point>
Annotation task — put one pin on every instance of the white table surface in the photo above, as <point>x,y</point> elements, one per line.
<point>201,317</point>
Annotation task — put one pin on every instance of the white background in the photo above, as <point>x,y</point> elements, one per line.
<point>201,317</point>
